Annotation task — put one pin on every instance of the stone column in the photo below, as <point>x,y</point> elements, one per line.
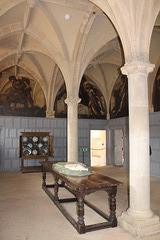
<point>139,219</point>
<point>108,115</point>
<point>72,128</point>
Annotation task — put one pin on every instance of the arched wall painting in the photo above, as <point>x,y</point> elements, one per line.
<point>21,97</point>
<point>119,98</point>
<point>92,103</point>
<point>156,92</point>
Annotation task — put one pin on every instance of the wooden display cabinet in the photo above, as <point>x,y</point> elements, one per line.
<point>35,145</point>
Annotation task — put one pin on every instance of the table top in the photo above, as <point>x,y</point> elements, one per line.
<point>95,180</point>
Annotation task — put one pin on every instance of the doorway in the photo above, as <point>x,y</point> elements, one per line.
<point>98,147</point>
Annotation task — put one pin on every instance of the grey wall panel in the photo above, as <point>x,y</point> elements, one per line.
<point>11,128</point>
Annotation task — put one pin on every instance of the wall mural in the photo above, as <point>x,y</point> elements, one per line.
<point>119,98</point>
<point>92,103</point>
<point>16,98</point>
<point>156,92</point>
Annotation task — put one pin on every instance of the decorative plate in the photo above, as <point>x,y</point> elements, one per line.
<point>34,152</point>
<point>43,151</point>
<point>45,139</point>
<point>40,145</point>
<point>35,139</point>
<point>30,145</point>
<point>26,151</point>
<point>25,139</point>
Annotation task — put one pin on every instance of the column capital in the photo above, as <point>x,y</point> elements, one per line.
<point>50,114</point>
<point>72,100</point>
<point>108,115</point>
<point>137,67</point>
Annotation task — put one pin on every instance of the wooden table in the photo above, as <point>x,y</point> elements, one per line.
<point>80,187</point>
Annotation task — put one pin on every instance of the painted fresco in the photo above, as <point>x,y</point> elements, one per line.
<point>156,92</point>
<point>60,107</point>
<point>92,103</point>
<point>119,98</point>
<point>16,98</point>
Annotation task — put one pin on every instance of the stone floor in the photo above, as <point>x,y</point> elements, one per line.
<point>27,213</point>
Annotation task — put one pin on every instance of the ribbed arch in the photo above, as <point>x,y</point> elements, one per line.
<point>130,22</point>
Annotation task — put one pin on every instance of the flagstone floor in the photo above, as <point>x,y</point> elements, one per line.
<point>27,213</point>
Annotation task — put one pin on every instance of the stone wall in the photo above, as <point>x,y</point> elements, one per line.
<point>154,125</point>
<point>11,128</point>
<point>155,143</point>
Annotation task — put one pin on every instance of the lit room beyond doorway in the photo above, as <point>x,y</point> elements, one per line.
<point>98,147</point>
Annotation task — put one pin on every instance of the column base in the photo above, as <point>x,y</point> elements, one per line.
<point>139,227</point>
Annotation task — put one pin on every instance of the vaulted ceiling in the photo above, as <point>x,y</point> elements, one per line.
<point>39,37</point>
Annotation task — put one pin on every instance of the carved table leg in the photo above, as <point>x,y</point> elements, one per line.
<point>43,177</point>
<point>80,212</point>
<point>112,201</point>
<point>56,189</point>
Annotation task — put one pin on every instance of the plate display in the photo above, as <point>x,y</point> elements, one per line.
<point>35,145</point>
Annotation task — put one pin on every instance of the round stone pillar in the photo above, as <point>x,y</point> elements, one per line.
<point>139,219</point>
<point>72,128</point>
